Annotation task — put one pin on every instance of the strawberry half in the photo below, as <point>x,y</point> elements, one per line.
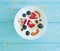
<point>30,24</point>
<point>25,20</point>
<point>33,16</point>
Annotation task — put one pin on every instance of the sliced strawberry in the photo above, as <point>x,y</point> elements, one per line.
<point>30,24</point>
<point>33,16</point>
<point>25,20</point>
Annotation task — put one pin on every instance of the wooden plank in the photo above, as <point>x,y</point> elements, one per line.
<point>8,33</point>
<point>34,47</point>
<point>8,11</point>
<point>29,1</point>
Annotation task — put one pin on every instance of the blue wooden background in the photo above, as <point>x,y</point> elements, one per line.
<point>11,41</point>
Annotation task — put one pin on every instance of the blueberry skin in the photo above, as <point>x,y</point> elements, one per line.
<point>21,29</point>
<point>27,33</point>
<point>24,15</point>
<point>40,19</point>
<point>36,21</point>
<point>28,12</point>
<point>40,25</point>
<point>24,27</point>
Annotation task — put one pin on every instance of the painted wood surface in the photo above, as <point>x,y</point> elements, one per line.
<point>11,41</point>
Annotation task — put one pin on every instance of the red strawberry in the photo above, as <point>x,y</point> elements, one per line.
<point>30,24</point>
<point>33,16</point>
<point>25,20</point>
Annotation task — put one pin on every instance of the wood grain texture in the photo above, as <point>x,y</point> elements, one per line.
<point>11,41</point>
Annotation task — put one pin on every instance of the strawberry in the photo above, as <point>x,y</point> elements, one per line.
<point>30,24</point>
<point>33,16</point>
<point>25,20</point>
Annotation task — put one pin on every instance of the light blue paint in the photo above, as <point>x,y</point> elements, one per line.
<point>9,35</point>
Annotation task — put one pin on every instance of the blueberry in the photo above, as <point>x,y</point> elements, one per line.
<point>27,33</point>
<point>36,21</point>
<point>28,13</point>
<point>21,29</point>
<point>40,25</point>
<point>40,20</point>
<point>24,26</point>
<point>24,15</point>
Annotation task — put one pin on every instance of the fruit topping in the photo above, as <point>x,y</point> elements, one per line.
<point>24,15</point>
<point>33,16</point>
<point>40,25</point>
<point>30,24</point>
<point>27,33</point>
<point>35,33</point>
<point>36,21</point>
<point>24,26</point>
<point>28,13</point>
<point>40,19</point>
